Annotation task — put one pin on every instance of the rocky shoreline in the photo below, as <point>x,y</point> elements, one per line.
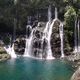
<point>3,55</point>
<point>75,59</point>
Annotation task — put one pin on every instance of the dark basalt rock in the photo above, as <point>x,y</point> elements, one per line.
<point>36,47</point>
<point>38,34</point>
<point>55,40</point>
<point>37,43</point>
<point>19,46</point>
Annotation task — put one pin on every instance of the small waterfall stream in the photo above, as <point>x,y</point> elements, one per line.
<point>75,37</point>
<point>49,52</point>
<point>61,37</point>
<point>49,13</point>
<point>78,36</point>
<point>10,51</point>
<point>29,36</point>
<point>56,13</point>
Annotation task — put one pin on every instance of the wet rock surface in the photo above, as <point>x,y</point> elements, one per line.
<point>55,40</point>
<point>19,46</point>
<point>37,42</point>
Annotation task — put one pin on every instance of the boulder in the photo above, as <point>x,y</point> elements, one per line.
<point>3,54</point>
<point>76,75</point>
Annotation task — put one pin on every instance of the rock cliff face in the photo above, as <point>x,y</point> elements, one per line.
<point>37,42</point>
<point>55,39</point>
<point>76,75</point>
<point>19,46</point>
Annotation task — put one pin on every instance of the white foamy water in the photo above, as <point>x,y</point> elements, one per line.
<point>10,51</point>
<point>61,37</point>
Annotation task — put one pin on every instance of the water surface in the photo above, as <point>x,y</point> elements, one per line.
<point>31,69</point>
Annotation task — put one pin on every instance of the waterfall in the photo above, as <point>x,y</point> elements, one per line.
<point>49,13</point>
<point>45,39</point>
<point>61,37</point>
<point>78,36</point>
<point>56,13</point>
<point>47,35</point>
<point>29,35</point>
<point>75,37</point>
<point>49,52</point>
<point>10,51</point>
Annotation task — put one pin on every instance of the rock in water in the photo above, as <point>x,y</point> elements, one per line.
<point>55,40</point>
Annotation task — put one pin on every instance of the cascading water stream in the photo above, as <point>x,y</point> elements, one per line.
<point>61,37</point>
<point>78,36</point>
<point>10,51</point>
<point>75,37</point>
<point>56,13</point>
<point>29,36</point>
<point>46,30</point>
<point>49,13</point>
<point>47,36</point>
<point>49,52</point>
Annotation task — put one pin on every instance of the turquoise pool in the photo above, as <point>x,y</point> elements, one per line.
<point>31,69</point>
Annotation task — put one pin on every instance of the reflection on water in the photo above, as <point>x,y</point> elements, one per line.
<point>31,69</point>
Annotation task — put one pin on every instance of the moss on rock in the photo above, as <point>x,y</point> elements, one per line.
<point>3,54</point>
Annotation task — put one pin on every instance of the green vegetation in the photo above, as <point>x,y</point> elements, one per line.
<point>70,17</point>
<point>24,8</point>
